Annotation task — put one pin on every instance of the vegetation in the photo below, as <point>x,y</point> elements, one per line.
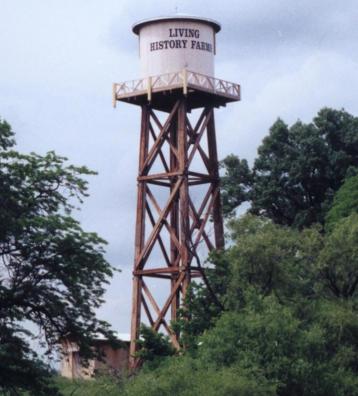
<point>297,171</point>
<point>345,202</point>
<point>280,318</point>
<point>289,325</point>
<point>52,273</point>
<point>283,320</point>
<point>107,386</point>
<point>153,345</point>
<point>190,377</point>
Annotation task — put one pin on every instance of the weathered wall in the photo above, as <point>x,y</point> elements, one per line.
<point>113,360</point>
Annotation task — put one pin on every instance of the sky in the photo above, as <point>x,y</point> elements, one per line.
<point>59,58</point>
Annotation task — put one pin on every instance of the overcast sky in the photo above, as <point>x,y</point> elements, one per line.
<point>58,59</point>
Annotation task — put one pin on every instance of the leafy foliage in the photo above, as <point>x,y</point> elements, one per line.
<point>283,330</point>
<point>101,385</point>
<point>153,345</point>
<point>338,261</point>
<point>302,355</point>
<point>297,171</point>
<point>184,376</point>
<point>271,259</point>
<point>52,273</point>
<point>345,202</point>
<point>20,367</point>
<point>237,183</point>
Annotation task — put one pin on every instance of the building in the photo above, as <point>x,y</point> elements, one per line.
<point>114,360</point>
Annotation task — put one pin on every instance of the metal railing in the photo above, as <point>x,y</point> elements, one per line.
<point>184,79</point>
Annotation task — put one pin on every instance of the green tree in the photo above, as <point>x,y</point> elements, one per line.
<point>52,273</point>
<point>237,183</point>
<point>303,354</point>
<point>185,376</point>
<point>338,260</point>
<point>283,320</point>
<point>270,259</point>
<point>153,346</point>
<point>297,171</point>
<point>345,202</point>
<point>289,323</point>
<point>20,367</point>
<point>290,308</point>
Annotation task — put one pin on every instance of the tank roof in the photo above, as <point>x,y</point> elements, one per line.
<point>177,17</point>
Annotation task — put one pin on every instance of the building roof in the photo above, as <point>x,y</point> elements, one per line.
<point>177,17</point>
<point>120,336</point>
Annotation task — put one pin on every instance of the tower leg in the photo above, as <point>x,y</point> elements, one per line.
<point>174,217</point>
<point>214,170</point>
<point>184,197</point>
<point>139,238</point>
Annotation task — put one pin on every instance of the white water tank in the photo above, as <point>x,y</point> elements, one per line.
<point>171,44</point>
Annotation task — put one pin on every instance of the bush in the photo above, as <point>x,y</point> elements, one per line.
<point>184,376</point>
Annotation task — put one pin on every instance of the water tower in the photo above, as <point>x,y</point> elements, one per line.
<point>178,201</point>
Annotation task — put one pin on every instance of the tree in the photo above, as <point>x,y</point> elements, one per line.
<point>237,183</point>
<point>338,260</point>
<point>185,376</point>
<point>284,329</point>
<point>268,259</point>
<point>153,346</point>
<point>290,308</point>
<point>52,273</point>
<point>304,354</point>
<point>20,368</point>
<point>297,171</point>
<point>345,202</point>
